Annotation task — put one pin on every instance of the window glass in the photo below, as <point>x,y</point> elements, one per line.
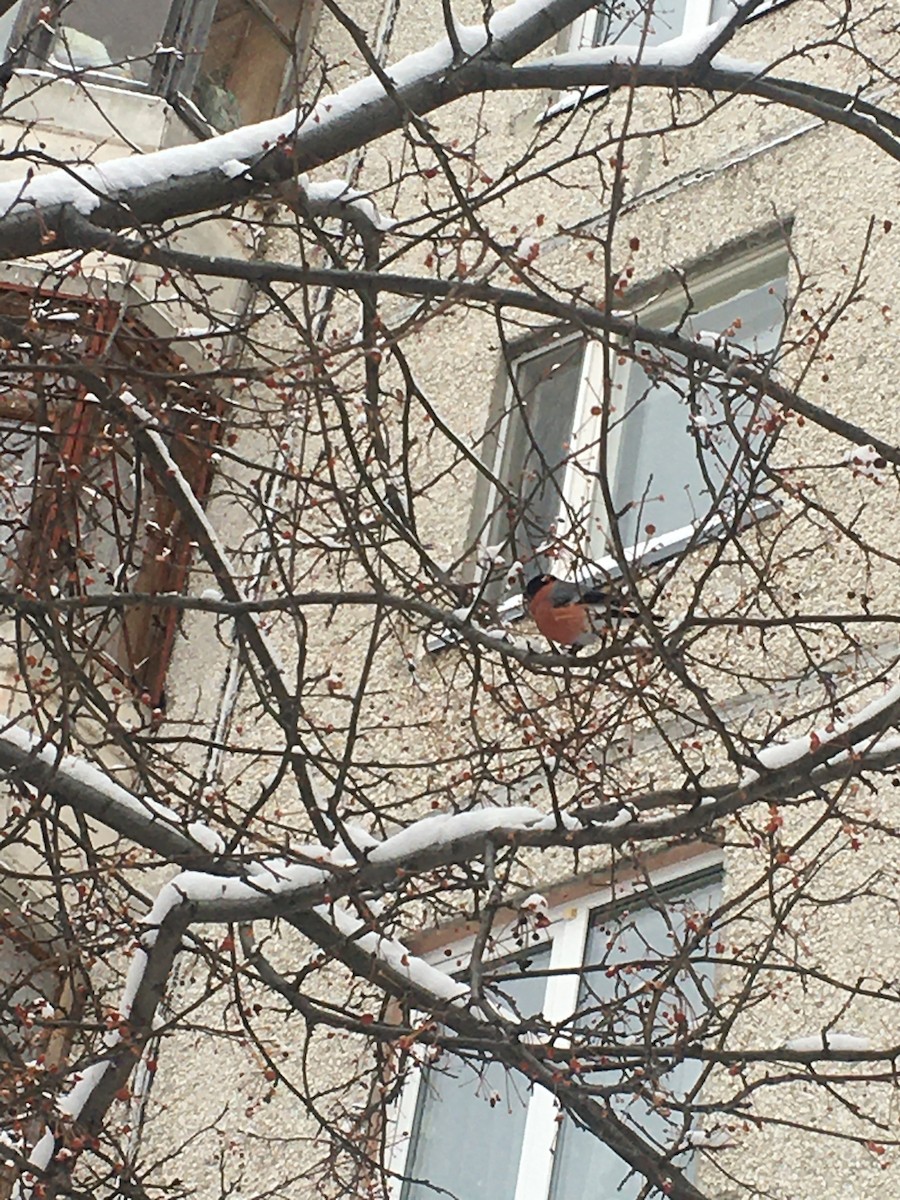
<point>470,1121</point>
<point>629,996</point>
<point>115,38</point>
<point>7,21</point>
<point>636,23</point>
<point>677,451</point>
<point>243,67</point>
<point>537,439</point>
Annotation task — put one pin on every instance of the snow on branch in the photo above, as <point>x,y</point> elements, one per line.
<point>94,1086</point>
<point>864,731</point>
<point>175,182</point>
<point>678,51</point>
<point>334,197</point>
<point>236,154</point>
<point>313,871</point>
<point>272,886</point>
<point>91,791</point>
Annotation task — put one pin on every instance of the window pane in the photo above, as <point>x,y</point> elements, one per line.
<point>650,24</point>
<point>537,444</point>
<point>617,1006</point>
<point>118,38</point>
<point>243,66</point>
<point>467,1135</point>
<point>7,21</point>
<point>672,461</point>
<point>657,481</point>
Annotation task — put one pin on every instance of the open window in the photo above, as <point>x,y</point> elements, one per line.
<point>80,513</point>
<point>679,456</point>
<point>631,970</point>
<point>229,62</point>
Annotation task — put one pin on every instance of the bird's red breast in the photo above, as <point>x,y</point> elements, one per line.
<point>566,624</point>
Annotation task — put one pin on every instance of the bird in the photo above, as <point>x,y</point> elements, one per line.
<point>571,615</point>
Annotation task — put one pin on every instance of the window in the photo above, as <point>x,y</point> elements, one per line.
<point>227,61</point>
<point>647,22</point>
<point>682,451</point>
<point>79,512</point>
<point>632,22</point>
<point>593,972</point>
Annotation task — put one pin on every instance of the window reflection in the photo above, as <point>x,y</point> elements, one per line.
<point>630,996</point>
<point>243,68</point>
<point>470,1122</point>
<point>94,35</point>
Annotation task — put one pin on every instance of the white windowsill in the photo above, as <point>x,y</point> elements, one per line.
<point>649,553</point>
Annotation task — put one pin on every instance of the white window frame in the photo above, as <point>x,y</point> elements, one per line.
<point>567,936</point>
<point>696,17</point>
<point>741,273</point>
<point>579,36</point>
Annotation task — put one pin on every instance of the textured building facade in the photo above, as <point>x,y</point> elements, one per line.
<point>426,448</point>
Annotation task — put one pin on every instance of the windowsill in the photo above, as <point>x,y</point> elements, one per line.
<point>651,553</point>
<point>94,107</point>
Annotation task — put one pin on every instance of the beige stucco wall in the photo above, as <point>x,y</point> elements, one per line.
<point>739,172</point>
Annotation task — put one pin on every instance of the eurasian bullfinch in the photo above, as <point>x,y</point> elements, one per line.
<point>572,615</point>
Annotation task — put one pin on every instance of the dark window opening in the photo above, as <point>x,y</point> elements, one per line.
<point>80,513</point>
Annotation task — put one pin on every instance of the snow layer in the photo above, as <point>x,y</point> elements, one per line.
<point>73,1101</point>
<point>206,837</point>
<point>710,1139</point>
<point>782,754</point>
<point>71,767</point>
<point>337,197</point>
<point>74,768</point>
<point>395,956</point>
<point>43,1151</point>
<point>676,52</point>
<point>233,153</point>
<point>449,827</point>
<point>828,1040</point>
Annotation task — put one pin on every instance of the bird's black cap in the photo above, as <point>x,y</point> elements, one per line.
<point>535,583</point>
